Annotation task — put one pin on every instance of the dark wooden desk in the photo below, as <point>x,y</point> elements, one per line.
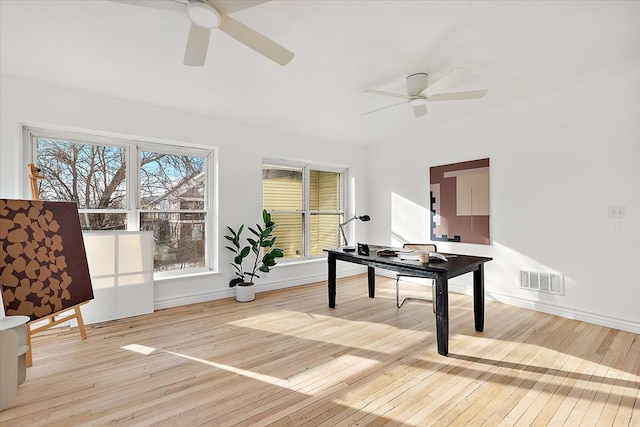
<point>440,271</point>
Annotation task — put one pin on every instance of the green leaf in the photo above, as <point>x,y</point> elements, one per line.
<point>238,259</point>
<point>270,224</point>
<point>245,252</point>
<point>264,269</point>
<point>266,216</point>
<point>254,231</point>
<point>229,238</point>
<point>277,252</point>
<point>235,281</point>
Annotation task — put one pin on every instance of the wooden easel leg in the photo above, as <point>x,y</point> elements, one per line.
<point>29,355</point>
<point>52,321</point>
<point>83,331</point>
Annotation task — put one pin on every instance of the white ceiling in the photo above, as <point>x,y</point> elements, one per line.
<point>515,49</point>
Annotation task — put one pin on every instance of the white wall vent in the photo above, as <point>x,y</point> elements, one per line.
<point>542,282</point>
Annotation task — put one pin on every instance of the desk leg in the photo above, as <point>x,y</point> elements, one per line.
<point>371,277</point>
<point>331,279</point>
<point>478,297</point>
<point>442,315</point>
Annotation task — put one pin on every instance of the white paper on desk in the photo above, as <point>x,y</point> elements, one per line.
<point>409,256</point>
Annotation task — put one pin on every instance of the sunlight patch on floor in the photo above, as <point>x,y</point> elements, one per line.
<point>245,373</point>
<point>137,348</point>
<point>141,349</point>
<point>310,381</point>
<point>315,326</point>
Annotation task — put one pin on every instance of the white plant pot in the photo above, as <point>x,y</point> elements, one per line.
<point>245,293</point>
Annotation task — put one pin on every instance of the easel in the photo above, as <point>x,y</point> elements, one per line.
<point>34,176</point>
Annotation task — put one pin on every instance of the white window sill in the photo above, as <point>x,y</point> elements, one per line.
<point>168,277</point>
<point>300,261</point>
<point>174,276</point>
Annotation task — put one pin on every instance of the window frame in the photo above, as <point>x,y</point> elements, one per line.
<point>306,211</point>
<point>132,147</point>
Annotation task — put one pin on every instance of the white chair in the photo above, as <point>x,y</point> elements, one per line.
<point>416,247</point>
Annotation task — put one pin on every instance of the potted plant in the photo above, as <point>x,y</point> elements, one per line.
<point>264,256</point>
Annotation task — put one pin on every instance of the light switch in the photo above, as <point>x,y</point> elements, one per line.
<point>616,212</point>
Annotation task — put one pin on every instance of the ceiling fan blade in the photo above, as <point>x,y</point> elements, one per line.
<point>419,110</point>
<point>383,108</point>
<point>171,5</point>
<point>226,7</point>
<point>197,46</point>
<point>380,92</point>
<point>445,81</point>
<point>256,41</point>
<point>451,96</point>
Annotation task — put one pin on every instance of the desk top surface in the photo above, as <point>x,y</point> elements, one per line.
<point>454,262</point>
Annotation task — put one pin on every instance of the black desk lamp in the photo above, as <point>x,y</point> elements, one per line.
<point>344,236</point>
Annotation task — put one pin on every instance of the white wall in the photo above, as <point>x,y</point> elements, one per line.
<point>241,149</point>
<point>556,164</point>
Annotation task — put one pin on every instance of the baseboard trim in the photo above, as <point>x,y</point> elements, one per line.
<point>160,304</point>
<point>569,313</point>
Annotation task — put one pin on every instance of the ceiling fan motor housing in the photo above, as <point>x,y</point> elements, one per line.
<point>416,83</point>
<point>203,14</point>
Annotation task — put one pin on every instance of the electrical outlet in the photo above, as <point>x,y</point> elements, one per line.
<point>616,212</point>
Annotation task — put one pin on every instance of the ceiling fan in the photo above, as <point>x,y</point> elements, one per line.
<point>206,15</point>
<point>419,92</point>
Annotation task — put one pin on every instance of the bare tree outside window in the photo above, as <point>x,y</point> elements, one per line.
<point>172,195</point>
<point>171,200</point>
<point>93,176</point>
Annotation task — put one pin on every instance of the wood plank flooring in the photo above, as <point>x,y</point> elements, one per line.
<point>287,359</point>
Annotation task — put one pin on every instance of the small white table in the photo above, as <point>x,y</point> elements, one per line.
<point>13,356</point>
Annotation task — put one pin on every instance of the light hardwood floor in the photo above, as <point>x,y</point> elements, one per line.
<point>287,359</point>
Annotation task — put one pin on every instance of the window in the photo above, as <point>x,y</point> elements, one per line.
<point>131,185</point>
<point>306,203</point>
